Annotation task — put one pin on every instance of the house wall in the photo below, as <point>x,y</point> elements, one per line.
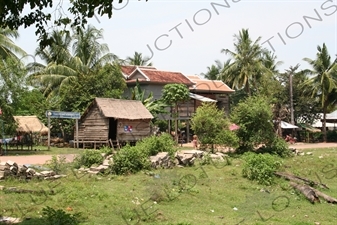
<point>139,129</point>
<point>94,127</point>
<point>155,89</point>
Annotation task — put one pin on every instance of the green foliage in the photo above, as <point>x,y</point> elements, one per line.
<point>57,164</point>
<point>105,82</point>
<point>211,126</point>
<point>260,167</point>
<point>57,217</point>
<point>162,125</point>
<point>278,147</point>
<point>130,159</point>
<point>254,116</point>
<point>88,158</point>
<point>106,150</point>
<point>154,144</point>
<point>175,93</point>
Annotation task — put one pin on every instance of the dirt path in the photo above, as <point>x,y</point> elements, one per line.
<point>34,159</point>
<point>41,159</point>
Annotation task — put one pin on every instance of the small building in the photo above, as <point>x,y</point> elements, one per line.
<point>29,131</point>
<point>212,89</point>
<point>107,121</point>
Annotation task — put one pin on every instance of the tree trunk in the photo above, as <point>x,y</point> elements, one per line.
<point>306,191</point>
<point>176,123</point>
<point>324,124</point>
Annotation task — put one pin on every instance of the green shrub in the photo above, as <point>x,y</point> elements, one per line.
<point>56,217</point>
<point>130,160</point>
<point>107,150</point>
<point>88,158</point>
<point>277,147</point>
<point>57,164</point>
<point>154,144</point>
<point>260,167</point>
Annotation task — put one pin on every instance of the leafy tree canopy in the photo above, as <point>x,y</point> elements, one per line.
<point>254,116</point>
<point>12,14</point>
<point>211,126</point>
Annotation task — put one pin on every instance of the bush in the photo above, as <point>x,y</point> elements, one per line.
<point>57,164</point>
<point>130,160</point>
<point>55,217</point>
<point>154,144</point>
<point>106,150</point>
<point>277,147</point>
<point>260,167</point>
<point>88,158</point>
<point>254,116</point>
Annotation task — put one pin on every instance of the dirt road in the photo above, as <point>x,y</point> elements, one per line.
<point>33,159</point>
<point>41,159</point>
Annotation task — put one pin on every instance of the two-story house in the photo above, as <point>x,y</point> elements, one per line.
<point>201,90</point>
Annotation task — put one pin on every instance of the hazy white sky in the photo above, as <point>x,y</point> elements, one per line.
<point>187,36</point>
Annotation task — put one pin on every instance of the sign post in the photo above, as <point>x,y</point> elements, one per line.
<point>63,115</point>
<point>77,143</point>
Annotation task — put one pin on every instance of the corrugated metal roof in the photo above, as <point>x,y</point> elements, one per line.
<point>201,98</point>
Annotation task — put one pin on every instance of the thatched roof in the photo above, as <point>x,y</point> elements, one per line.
<point>123,109</point>
<point>27,124</point>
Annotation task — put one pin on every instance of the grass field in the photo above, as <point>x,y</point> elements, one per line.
<point>209,194</point>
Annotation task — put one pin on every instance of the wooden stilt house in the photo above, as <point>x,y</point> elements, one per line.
<point>109,121</point>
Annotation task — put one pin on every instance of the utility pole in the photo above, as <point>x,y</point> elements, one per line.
<point>291,98</point>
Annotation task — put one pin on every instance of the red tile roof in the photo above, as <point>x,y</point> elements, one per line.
<point>209,86</point>
<point>127,70</point>
<point>152,75</point>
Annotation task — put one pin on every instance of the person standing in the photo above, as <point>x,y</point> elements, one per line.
<point>195,141</point>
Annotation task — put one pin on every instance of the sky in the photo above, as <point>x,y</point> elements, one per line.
<point>187,36</point>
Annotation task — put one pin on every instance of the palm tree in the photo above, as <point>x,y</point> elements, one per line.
<point>62,67</point>
<point>248,63</point>
<point>138,60</point>
<point>323,84</point>
<point>215,70</point>
<point>89,50</point>
<point>7,46</point>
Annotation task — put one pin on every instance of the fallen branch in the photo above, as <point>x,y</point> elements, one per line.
<point>325,196</point>
<point>307,191</point>
<point>298,179</point>
<point>17,190</point>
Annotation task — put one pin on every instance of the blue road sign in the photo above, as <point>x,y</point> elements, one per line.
<point>64,115</point>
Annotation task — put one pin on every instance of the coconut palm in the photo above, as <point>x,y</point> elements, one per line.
<point>214,71</point>
<point>62,66</point>
<point>89,50</point>
<point>323,84</point>
<point>248,62</point>
<point>7,47</point>
<point>138,60</point>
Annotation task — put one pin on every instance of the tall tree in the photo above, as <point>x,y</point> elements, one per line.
<point>247,65</point>
<point>138,60</point>
<point>7,47</point>
<point>62,66</point>
<point>173,94</point>
<point>323,84</point>
<point>214,71</point>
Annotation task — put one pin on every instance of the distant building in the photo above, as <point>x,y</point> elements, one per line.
<point>107,121</point>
